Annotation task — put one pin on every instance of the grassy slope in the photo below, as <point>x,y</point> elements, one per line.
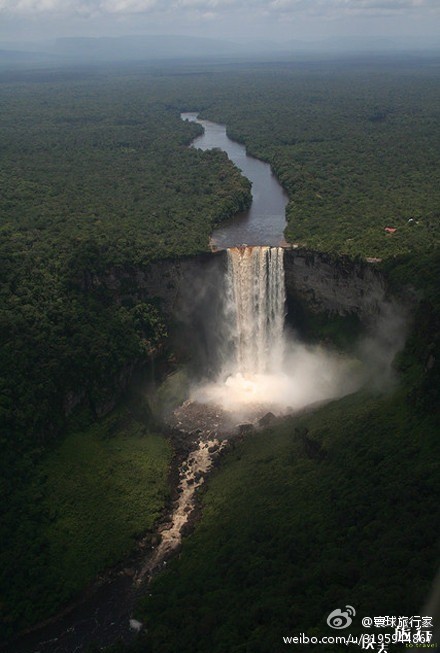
<point>89,497</point>
<point>286,538</point>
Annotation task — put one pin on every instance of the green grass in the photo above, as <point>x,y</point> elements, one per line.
<point>172,392</point>
<point>90,497</point>
<point>341,331</point>
<point>285,538</point>
<point>99,484</point>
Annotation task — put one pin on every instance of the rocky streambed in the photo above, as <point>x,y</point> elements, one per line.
<point>104,613</point>
<point>192,473</point>
<point>200,434</point>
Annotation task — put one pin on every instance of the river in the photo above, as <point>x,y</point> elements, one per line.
<point>264,222</point>
<point>102,614</point>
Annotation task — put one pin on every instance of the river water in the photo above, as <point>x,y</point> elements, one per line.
<point>264,222</point>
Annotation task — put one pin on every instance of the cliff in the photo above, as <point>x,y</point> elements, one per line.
<point>337,285</point>
<point>324,283</point>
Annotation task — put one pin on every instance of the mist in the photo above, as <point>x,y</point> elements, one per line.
<point>263,366</point>
<point>308,375</point>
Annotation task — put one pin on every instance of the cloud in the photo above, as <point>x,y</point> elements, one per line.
<point>70,7</point>
<point>344,7</point>
<point>210,7</point>
<point>33,6</point>
<point>205,4</point>
<point>372,6</point>
<point>127,6</point>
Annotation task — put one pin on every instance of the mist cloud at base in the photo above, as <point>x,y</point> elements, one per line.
<point>311,374</point>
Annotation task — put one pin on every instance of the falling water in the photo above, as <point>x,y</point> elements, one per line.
<point>262,368</point>
<point>255,305</point>
<point>252,378</point>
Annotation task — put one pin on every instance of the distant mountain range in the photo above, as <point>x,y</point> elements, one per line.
<point>166,47</point>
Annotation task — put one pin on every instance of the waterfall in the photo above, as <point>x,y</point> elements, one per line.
<point>255,306</point>
<point>261,369</point>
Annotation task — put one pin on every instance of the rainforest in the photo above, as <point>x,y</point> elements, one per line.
<point>112,321</point>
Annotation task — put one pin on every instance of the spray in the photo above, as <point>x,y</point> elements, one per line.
<point>263,369</point>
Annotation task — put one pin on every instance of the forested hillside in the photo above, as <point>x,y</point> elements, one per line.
<point>94,175</point>
<point>288,534</point>
<point>356,150</point>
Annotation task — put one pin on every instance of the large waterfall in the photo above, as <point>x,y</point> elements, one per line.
<point>251,330</point>
<point>255,306</point>
<point>262,370</point>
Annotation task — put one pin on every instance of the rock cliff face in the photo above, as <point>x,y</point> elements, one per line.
<point>335,285</point>
<point>325,284</point>
<point>180,283</point>
<point>190,292</point>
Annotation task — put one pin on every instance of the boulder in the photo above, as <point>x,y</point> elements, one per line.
<point>136,625</point>
<point>267,419</point>
<point>245,428</point>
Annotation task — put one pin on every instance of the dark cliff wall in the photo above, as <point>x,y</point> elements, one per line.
<point>325,284</point>
<point>190,293</point>
<point>176,282</point>
<point>335,285</point>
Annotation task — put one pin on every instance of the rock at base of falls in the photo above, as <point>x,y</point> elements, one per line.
<point>202,420</point>
<point>245,428</point>
<point>267,419</point>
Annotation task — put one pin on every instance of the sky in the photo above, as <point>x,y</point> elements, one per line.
<point>269,20</point>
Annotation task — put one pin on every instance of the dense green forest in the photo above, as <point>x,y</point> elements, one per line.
<point>79,511</point>
<point>288,534</point>
<point>93,176</point>
<point>96,175</point>
<point>371,163</point>
<point>356,150</point>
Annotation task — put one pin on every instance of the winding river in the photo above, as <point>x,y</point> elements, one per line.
<point>104,613</point>
<point>264,222</point>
